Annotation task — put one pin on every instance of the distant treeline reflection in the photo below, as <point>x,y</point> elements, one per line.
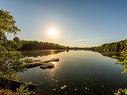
<point>111,54</point>
<point>121,58</point>
<point>37,53</point>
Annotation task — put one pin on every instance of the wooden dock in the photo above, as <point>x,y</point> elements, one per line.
<point>35,64</point>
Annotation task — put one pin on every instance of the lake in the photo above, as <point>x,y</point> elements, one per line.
<point>77,73</point>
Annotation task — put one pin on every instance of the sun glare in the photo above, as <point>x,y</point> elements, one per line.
<point>52,32</point>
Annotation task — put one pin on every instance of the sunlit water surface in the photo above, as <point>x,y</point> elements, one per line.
<point>77,73</point>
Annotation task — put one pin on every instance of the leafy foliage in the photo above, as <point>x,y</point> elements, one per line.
<point>121,92</point>
<point>7,24</point>
<point>10,63</point>
<point>10,59</point>
<point>23,90</point>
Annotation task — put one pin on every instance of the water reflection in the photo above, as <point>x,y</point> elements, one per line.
<point>120,57</point>
<point>78,73</point>
<point>41,53</point>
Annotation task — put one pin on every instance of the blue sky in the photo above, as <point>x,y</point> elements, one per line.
<point>80,22</point>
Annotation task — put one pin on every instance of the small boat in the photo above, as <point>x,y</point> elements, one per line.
<point>47,65</point>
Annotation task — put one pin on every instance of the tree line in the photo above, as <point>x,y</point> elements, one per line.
<point>112,47</point>
<point>36,45</point>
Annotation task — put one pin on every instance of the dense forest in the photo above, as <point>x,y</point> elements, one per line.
<point>36,45</point>
<point>112,47</point>
<point>108,47</point>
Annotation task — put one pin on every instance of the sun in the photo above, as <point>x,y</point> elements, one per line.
<point>52,32</point>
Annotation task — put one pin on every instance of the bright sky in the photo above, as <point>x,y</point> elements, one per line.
<point>70,22</point>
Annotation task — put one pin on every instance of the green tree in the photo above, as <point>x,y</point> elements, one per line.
<point>10,59</point>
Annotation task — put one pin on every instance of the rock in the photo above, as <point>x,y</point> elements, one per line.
<point>47,65</point>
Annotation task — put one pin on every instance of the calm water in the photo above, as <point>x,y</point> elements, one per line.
<point>77,73</point>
